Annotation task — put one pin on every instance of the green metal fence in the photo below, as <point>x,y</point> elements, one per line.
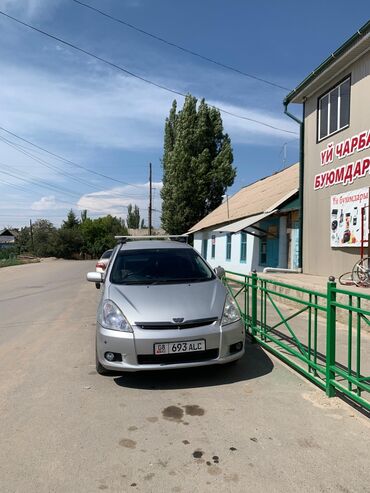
<point>302,328</point>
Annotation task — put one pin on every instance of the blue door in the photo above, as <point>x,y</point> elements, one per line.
<point>269,251</point>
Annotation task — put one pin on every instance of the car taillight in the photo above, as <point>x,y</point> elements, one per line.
<point>101,265</point>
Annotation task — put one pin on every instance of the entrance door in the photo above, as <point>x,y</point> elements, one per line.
<point>269,255</point>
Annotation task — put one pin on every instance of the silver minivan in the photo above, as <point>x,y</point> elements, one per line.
<point>162,306</point>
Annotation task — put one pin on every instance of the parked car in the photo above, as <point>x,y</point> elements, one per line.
<point>162,306</point>
<point>103,262</point>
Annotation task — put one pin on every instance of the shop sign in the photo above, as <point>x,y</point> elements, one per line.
<point>348,173</point>
<point>345,222</point>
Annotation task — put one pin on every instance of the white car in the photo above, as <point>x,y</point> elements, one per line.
<point>103,262</point>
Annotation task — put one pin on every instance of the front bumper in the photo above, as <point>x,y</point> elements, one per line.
<point>135,346</point>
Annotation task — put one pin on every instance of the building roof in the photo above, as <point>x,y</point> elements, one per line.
<point>8,232</point>
<point>261,196</point>
<point>346,54</point>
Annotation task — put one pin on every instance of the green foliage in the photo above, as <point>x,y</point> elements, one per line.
<point>44,238</point>
<point>74,239</point>
<point>133,217</point>
<point>98,234</point>
<point>71,222</point>
<point>197,165</point>
<point>24,240</point>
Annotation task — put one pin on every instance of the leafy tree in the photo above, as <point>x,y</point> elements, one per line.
<point>197,165</point>
<point>133,217</point>
<point>98,234</point>
<point>69,239</point>
<point>24,240</point>
<point>142,226</point>
<point>44,238</point>
<point>83,215</point>
<point>71,221</point>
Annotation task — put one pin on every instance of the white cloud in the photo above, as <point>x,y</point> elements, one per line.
<point>29,8</point>
<point>115,200</point>
<point>109,110</point>
<point>47,203</point>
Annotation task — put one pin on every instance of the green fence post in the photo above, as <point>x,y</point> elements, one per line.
<point>254,303</point>
<point>330,336</point>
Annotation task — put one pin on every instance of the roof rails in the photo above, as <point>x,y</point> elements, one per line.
<point>182,238</point>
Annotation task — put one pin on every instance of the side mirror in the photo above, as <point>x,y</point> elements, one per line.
<point>220,272</point>
<point>96,277</point>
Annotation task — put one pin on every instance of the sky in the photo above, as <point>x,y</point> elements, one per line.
<point>101,119</point>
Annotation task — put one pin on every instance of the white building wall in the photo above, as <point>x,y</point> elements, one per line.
<point>234,264</point>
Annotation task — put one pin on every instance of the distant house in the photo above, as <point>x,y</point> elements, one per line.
<point>7,238</point>
<point>258,227</point>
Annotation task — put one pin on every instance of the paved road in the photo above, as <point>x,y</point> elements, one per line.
<point>256,427</point>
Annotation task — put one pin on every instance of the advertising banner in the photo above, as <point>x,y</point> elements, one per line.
<point>345,218</point>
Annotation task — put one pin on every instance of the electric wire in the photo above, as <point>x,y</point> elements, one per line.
<point>72,163</point>
<point>60,171</point>
<point>179,47</point>
<point>139,77</point>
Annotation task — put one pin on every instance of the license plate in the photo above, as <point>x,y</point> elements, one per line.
<point>180,347</point>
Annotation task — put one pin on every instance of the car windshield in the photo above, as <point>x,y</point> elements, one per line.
<point>160,266</point>
<point>107,254</point>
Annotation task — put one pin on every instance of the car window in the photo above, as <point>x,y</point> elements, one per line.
<point>107,254</point>
<point>159,266</point>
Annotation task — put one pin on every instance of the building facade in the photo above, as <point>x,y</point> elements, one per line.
<point>336,158</point>
<point>7,238</point>
<point>260,231</point>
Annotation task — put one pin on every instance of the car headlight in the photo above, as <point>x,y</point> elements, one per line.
<point>231,312</point>
<point>111,317</point>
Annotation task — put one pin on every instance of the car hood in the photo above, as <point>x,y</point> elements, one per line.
<point>164,302</point>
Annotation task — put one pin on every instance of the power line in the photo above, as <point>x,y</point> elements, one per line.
<point>72,163</point>
<point>143,79</point>
<point>179,47</point>
<point>58,170</point>
<point>46,185</point>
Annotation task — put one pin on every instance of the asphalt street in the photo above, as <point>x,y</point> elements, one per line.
<point>255,427</point>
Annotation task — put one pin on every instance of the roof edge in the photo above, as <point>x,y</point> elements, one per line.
<point>360,33</point>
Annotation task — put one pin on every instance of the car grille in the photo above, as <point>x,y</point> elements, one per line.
<point>154,359</point>
<point>189,324</point>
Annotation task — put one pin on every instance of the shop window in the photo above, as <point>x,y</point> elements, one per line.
<point>243,247</point>
<point>213,246</point>
<point>333,112</point>
<point>228,246</point>
<point>263,251</point>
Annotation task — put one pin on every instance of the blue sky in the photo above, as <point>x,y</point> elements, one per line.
<point>113,124</point>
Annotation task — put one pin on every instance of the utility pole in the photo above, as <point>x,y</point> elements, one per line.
<point>31,233</point>
<point>227,204</point>
<point>150,201</point>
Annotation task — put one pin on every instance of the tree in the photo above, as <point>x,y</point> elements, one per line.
<point>142,225</point>
<point>24,240</point>
<point>83,215</point>
<point>197,165</point>
<point>71,221</point>
<point>133,217</point>
<point>98,234</point>
<point>44,238</point>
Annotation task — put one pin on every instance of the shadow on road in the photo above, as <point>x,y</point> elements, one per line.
<point>254,364</point>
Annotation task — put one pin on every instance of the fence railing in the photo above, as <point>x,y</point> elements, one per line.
<point>302,327</point>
